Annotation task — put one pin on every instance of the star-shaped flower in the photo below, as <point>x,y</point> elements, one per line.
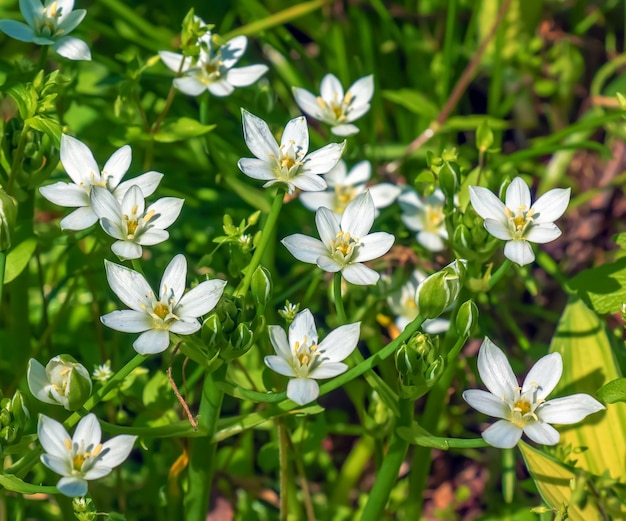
<point>344,186</point>
<point>131,223</point>
<point>213,69</point>
<point>288,163</point>
<point>345,243</point>
<point>516,221</point>
<point>524,409</point>
<point>334,107</point>
<point>81,166</point>
<point>426,217</point>
<point>82,457</point>
<point>49,24</point>
<point>155,316</point>
<point>304,360</point>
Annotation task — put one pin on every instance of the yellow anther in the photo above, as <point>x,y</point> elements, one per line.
<point>149,216</point>
<point>134,209</point>
<point>68,443</point>
<point>161,310</point>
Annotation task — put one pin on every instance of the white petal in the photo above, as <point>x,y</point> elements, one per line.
<point>328,264</point>
<point>52,436</point>
<point>499,229</point>
<point>327,226</point>
<point>78,160</point>
<point>304,248</point>
<point>384,194</point>
<point>303,329</point>
<point>166,211</point>
<point>551,205</point>
<point>278,338</point>
<point>279,365</point>
<point>360,274</point>
<point>105,205</point>
<point>519,251</point>
<point>331,88</point>
<point>413,222</point>
<point>374,245</point>
<point>88,430</point>
<point>359,173</point>
<point>128,321</point>
<point>340,342</point>
<point>495,370</point>
<point>117,165</point>
<point>359,216</point>
<point>148,183</point>
<point>322,160</point>
<point>244,76</point>
<point>131,287</point>
<point>172,61</point>
<point>315,200</point>
<point>99,470</point>
<point>152,342</point>
<point>72,48</point>
<point>173,280</point>
<point>328,370</point>
<point>232,50</point>
<point>258,137</point>
<point>435,326</point>
<point>72,487</point>
<point>308,103</point>
<point>256,168</point>
<point>64,6</point>
<point>190,85</point>
<point>201,299</point>
<point>296,132</point>
<point>517,195</point>
<point>117,449</point>
<point>65,194</point>
<point>17,30</point>
<point>79,219</point>
<point>57,464</point>
<point>542,233</point>
<point>502,434</point>
<point>185,326</point>
<point>544,375</point>
<point>302,390</point>
<point>30,10</point>
<point>151,237</point>
<point>38,382</point>
<point>308,182</point>
<point>569,409</point>
<point>486,204</point>
<point>362,90</point>
<point>344,130</point>
<point>127,250</point>
<point>430,241</point>
<point>542,433</point>
<point>486,403</point>
<point>220,89</point>
<point>69,20</point>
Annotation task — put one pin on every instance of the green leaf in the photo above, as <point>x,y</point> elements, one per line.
<point>15,484</point>
<point>48,126</point>
<point>614,391</point>
<point>18,257</point>
<point>603,287</point>
<point>413,101</point>
<point>181,129</point>
<point>26,99</point>
<point>588,363</point>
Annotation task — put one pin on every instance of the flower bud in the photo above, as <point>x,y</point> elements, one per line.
<point>63,381</point>
<point>19,410</point>
<point>449,179</point>
<point>261,288</point>
<point>8,216</point>
<point>211,330</point>
<point>440,290</point>
<point>5,417</point>
<point>8,434</point>
<point>84,509</point>
<point>466,318</point>
<point>240,343</point>
<point>434,371</point>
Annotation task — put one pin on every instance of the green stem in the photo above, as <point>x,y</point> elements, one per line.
<point>508,475</point>
<point>202,451</point>
<point>283,462</point>
<point>268,230</point>
<point>493,280</point>
<point>3,261</point>
<point>341,312</point>
<point>137,266</point>
<point>17,158</point>
<point>352,470</point>
<point>387,476</point>
<point>42,57</point>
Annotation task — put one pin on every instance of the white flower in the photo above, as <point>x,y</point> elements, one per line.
<point>102,372</point>
<point>289,162</point>
<point>154,317</point>
<point>517,221</point>
<point>82,457</point>
<point>335,108</point>
<point>343,187</point>
<point>213,69</point>
<point>425,217</point>
<point>81,166</point>
<point>524,409</point>
<point>404,306</point>
<point>131,222</point>
<point>62,382</point>
<point>302,359</point>
<point>345,244</point>
<point>49,24</point>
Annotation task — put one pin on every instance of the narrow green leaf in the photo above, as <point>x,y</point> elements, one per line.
<point>18,257</point>
<point>15,484</point>
<point>614,391</point>
<point>414,101</point>
<point>181,129</point>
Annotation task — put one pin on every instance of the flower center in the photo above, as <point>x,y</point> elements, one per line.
<point>46,23</point>
<point>161,310</point>
<point>343,247</point>
<point>434,217</point>
<point>524,405</point>
<point>288,161</point>
<point>60,384</point>
<point>343,196</point>
<point>519,221</point>
<point>136,224</point>
<point>336,110</point>
<point>81,456</point>
<point>307,357</point>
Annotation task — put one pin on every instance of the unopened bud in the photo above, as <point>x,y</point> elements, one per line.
<point>440,290</point>
<point>261,288</point>
<point>449,179</point>
<point>466,318</point>
<point>8,216</point>
<point>63,382</point>
<point>211,329</point>
<point>19,410</point>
